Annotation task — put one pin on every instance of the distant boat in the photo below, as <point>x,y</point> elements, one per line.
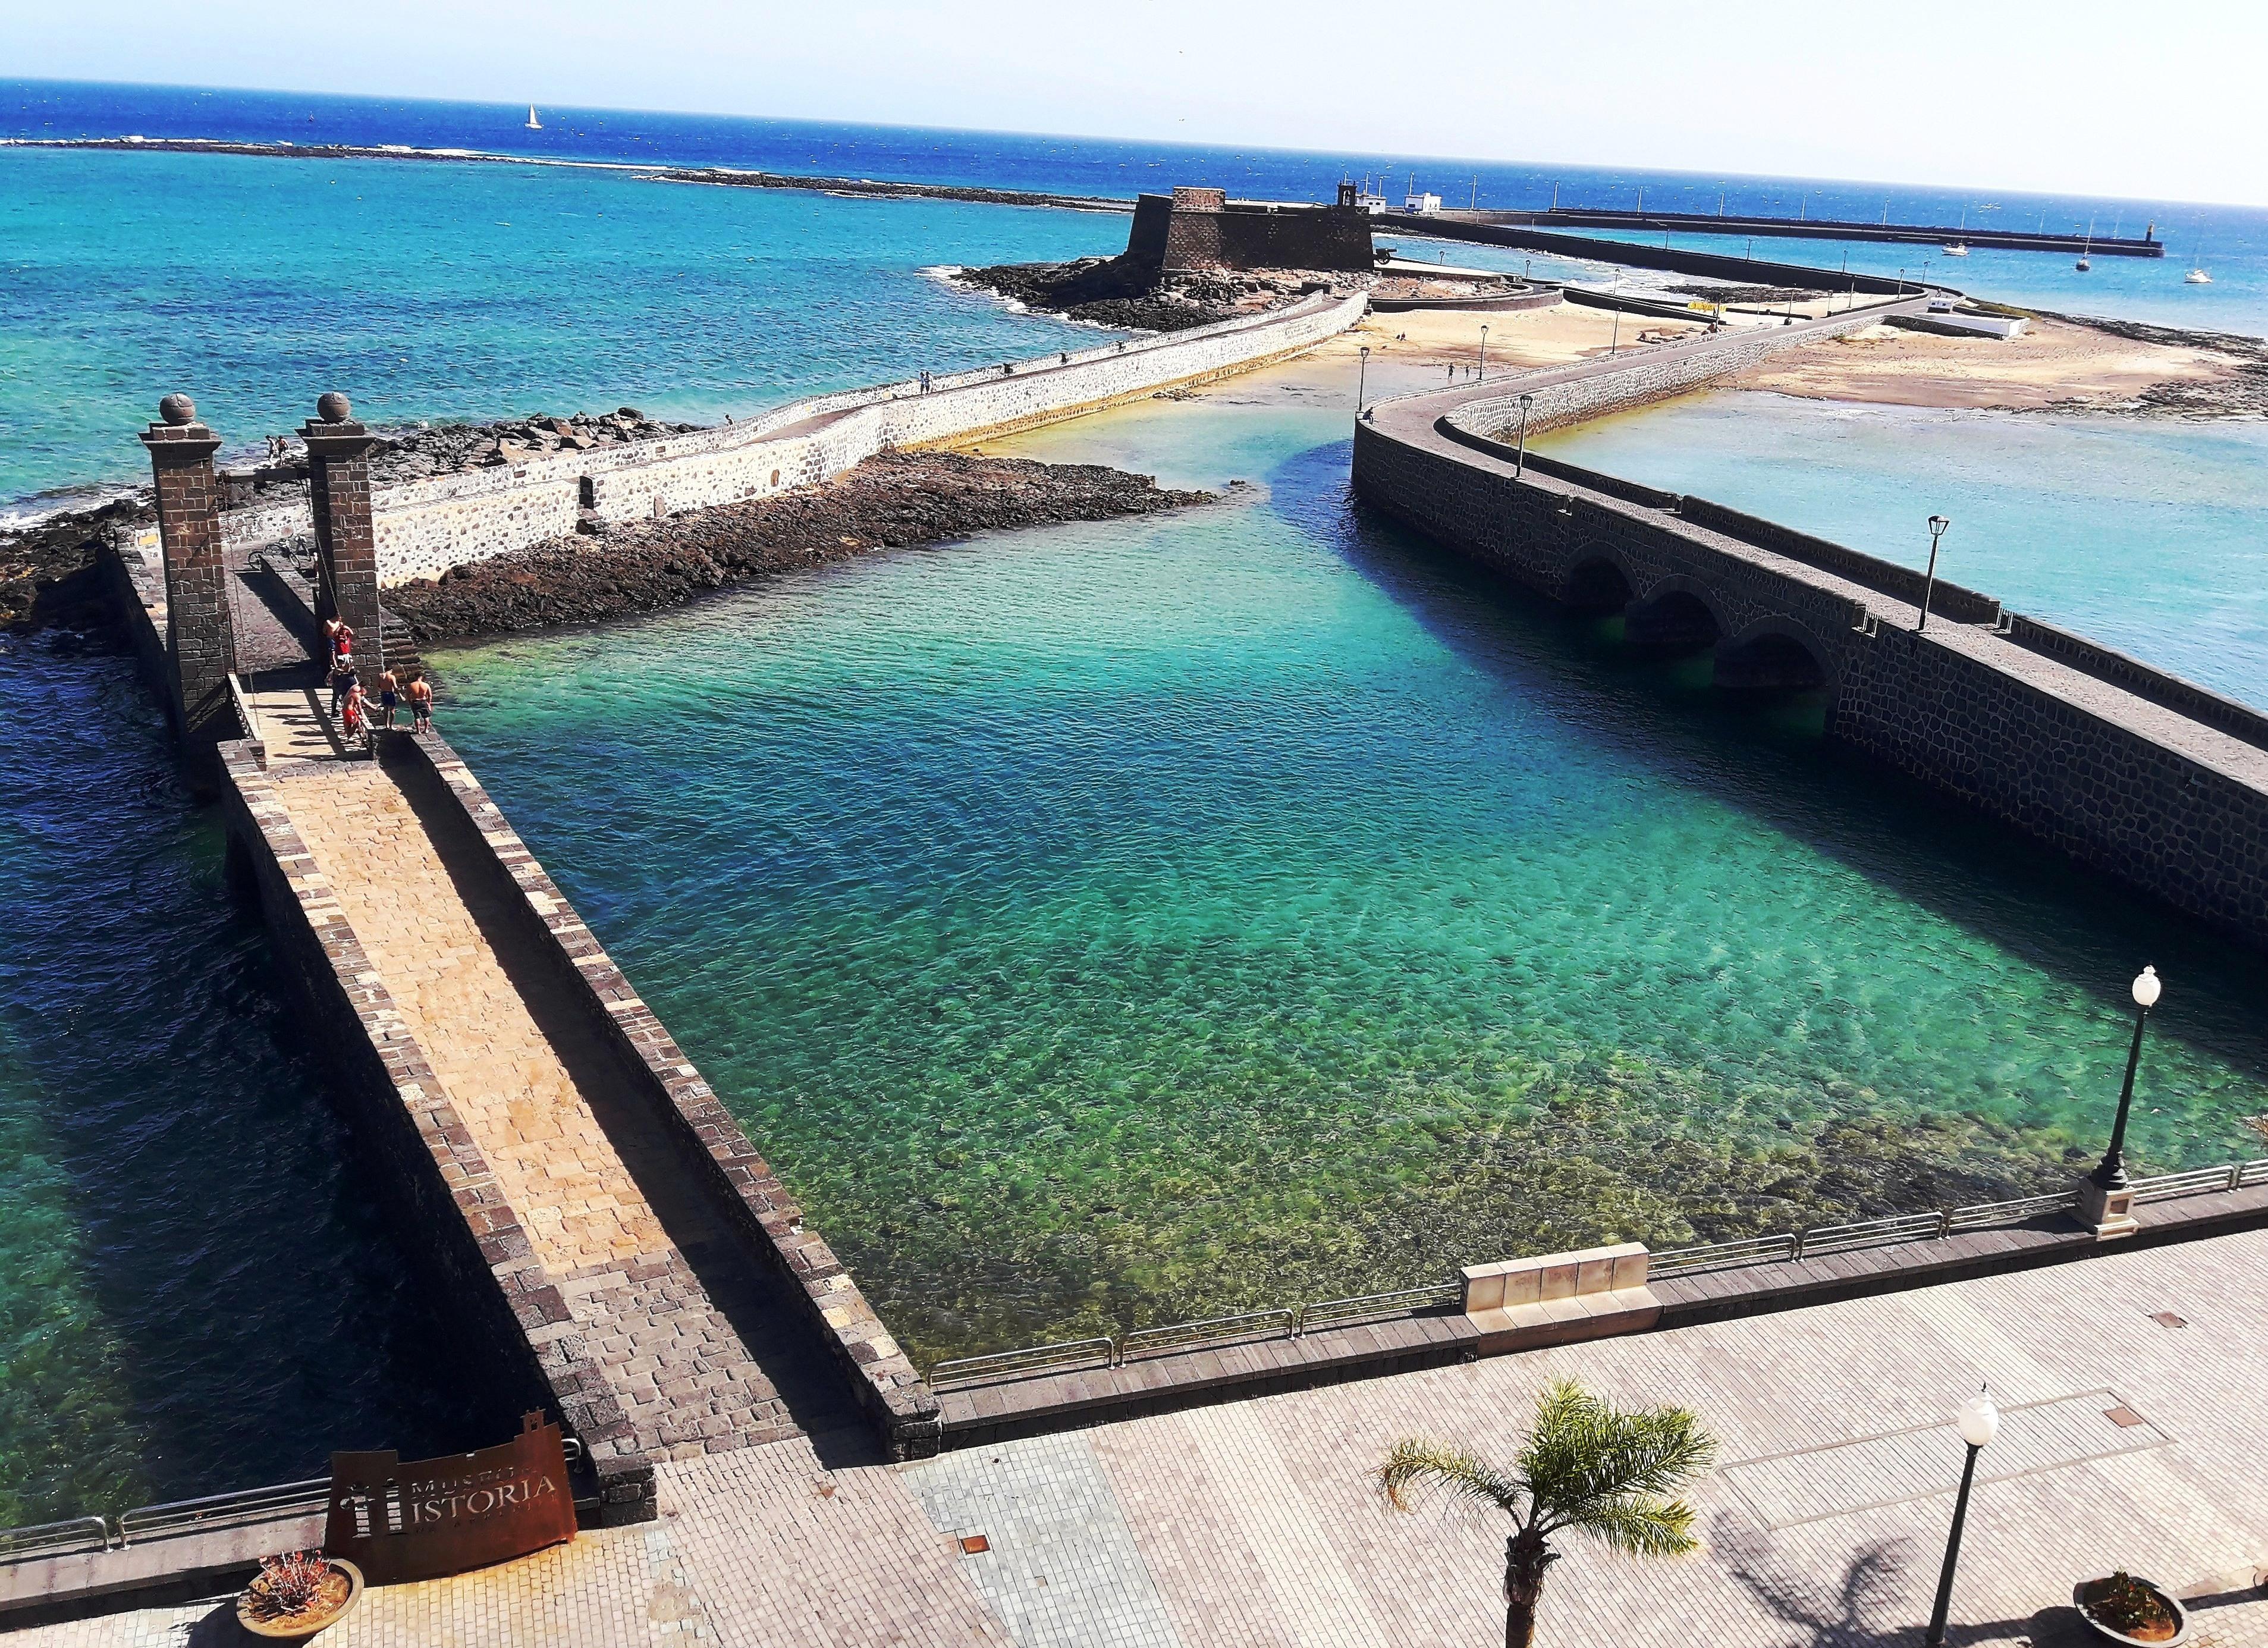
<point>1957,249</point>
<point>2085,262</point>
<point>2196,278</point>
<point>533,124</point>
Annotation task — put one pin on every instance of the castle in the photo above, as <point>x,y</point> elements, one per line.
<point>1202,229</point>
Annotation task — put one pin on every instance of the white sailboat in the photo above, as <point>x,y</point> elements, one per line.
<point>2196,278</point>
<point>2085,262</point>
<point>533,124</point>
<point>1960,246</point>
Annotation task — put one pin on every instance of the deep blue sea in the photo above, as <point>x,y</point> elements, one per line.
<point>1192,895</point>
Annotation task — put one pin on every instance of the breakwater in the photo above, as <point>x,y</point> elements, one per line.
<point>422,528</point>
<point>2125,769</point>
<point>1837,229</point>
<point>1636,255</point>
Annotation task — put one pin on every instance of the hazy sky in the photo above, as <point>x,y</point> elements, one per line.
<point>2087,97</point>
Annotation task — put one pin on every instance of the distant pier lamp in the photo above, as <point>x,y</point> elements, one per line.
<point>1361,376</point>
<point>2106,1196</point>
<point>1483,351</point>
<point>1519,460</point>
<point>1978,1422</point>
<point>1937,525</point>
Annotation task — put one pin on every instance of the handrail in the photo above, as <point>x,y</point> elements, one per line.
<point>1724,1254</point>
<point>1833,1239</point>
<point>1368,1306</point>
<point>245,1507</point>
<point>246,716</point>
<point>1030,1359</point>
<point>2234,1176</point>
<point>1209,1331</point>
<point>67,1538</point>
<point>1984,1214</point>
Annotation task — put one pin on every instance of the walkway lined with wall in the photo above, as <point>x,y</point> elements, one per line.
<point>2136,774</point>
<point>2134,1414</point>
<point>422,528</point>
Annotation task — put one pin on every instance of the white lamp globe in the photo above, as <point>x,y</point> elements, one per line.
<point>1978,1421</point>
<point>2146,987</point>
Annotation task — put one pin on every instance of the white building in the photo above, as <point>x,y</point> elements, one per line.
<point>1415,202</point>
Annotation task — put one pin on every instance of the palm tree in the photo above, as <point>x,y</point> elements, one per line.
<point>1586,1466</point>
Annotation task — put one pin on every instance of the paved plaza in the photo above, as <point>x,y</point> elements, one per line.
<point>2136,1422</point>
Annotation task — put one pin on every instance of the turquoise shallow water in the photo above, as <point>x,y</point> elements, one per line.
<point>1123,923</point>
<point>2149,534</point>
<point>1098,925</point>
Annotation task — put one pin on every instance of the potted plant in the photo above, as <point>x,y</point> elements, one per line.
<point>298,1593</point>
<point>2129,1610</point>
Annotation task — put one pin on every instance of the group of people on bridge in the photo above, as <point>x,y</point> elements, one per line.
<point>351,705</point>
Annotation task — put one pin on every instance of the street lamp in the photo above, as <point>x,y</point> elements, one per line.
<point>1361,376</point>
<point>1519,463</point>
<point>1978,1421</point>
<point>1483,351</point>
<point>2106,1196</point>
<point>1937,525</point>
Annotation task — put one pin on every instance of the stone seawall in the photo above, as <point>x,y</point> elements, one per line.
<point>711,1144</point>
<point>445,1197</point>
<point>424,527</point>
<point>2119,780</point>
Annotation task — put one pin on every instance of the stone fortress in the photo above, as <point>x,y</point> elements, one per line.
<point>1200,229</point>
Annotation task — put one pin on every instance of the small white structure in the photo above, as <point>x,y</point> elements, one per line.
<point>1421,203</point>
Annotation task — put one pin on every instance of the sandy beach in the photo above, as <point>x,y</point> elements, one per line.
<point>2055,363</point>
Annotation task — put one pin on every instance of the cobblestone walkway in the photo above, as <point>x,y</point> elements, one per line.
<point>651,1272</point>
<point>1254,1524</point>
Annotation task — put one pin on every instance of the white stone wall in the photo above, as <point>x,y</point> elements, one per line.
<point>1574,395</point>
<point>425,527</point>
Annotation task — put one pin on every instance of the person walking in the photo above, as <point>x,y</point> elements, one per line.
<point>389,698</point>
<point>420,703</point>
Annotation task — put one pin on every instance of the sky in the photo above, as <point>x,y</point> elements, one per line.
<point>2081,97</point>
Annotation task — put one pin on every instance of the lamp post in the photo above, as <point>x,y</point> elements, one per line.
<point>1937,525</point>
<point>1361,376</point>
<point>2106,1196</point>
<point>1520,462</point>
<point>1978,1421</point>
<point>1483,351</point>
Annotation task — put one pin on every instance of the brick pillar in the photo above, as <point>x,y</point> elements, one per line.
<point>338,494</point>
<point>201,649</point>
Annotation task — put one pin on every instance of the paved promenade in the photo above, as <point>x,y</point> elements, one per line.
<point>667,1305</point>
<point>2135,1433</point>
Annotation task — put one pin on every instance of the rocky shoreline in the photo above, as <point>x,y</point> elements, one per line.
<point>893,500</point>
<point>49,578</point>
<point>2240,392</point>
<point>1126,296</point>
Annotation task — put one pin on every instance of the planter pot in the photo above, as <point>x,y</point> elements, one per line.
<point>302,1625</point>
<point>2181,1617</point>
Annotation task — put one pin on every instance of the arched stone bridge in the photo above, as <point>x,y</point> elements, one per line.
<point>2151,778</point>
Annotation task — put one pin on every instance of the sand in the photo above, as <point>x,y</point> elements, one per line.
<point>2053,363</point>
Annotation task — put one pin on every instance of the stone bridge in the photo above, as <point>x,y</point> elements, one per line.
<point>2136,773</point>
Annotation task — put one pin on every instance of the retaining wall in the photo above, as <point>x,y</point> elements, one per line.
<point>711,1145</point>
<point>424,527</point>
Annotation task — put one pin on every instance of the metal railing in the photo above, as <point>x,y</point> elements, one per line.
<point>2197,1181</point>
<point>247,718</point>
<point>1062,1355</point>
<point>69,1538</point>
<point>1819,1241</point>
<point>244,1508</point>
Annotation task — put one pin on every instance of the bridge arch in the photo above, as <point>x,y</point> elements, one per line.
<point>1675,614</point>
<point>1599,581</point>
<point>1774,654</point>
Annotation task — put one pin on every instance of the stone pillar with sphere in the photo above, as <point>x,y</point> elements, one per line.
<point>200,645</point>
<point>338,495</point>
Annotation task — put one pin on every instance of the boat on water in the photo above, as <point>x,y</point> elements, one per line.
<point>533,124</point>
<point>2085,262</point>
<point>1959,246</point>
<point>2196,278</point>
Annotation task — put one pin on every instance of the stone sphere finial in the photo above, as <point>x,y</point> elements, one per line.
<point>178,409</point>
<point>334,408</point>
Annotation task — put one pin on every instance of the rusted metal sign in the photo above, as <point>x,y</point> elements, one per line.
<point>442,1516</point>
